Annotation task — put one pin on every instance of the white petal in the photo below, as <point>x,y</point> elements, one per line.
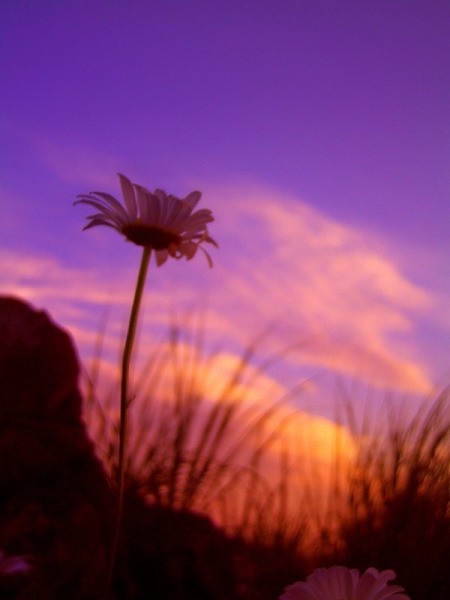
<point>107,218</point>
<point>208,258</point>
<point>107,201</point>
<point>161,257</point>
<point>142,196</point>
<point>155,209</point>
<point>192,199</point>
<point>161,194</point>
<point>194,226</point>
<point>189,249</point>
<point>171,209</point>
<point>183,214</point>
<point>201,216</point>
<point>210,240</point>
<point>128,195</point>
<point>10,565</point>
<point>105,210</point>
<point>95,222</point>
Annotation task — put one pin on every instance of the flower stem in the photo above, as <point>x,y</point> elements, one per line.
<point>124,402</point>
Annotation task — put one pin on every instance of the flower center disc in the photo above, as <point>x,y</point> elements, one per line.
<point>145,235</point>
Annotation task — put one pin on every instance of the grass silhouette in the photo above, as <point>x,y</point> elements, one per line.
<point>201,447</point>
<point>397,511</point>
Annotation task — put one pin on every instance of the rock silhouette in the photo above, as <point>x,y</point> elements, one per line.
<point>56,503</point>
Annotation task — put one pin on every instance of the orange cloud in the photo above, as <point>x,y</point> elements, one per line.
<point>184,385</point>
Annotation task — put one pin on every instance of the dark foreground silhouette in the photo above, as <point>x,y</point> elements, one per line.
<point>56,504</point>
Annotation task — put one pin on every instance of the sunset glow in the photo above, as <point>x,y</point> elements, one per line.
<point>238,377</point>
<point>318,136</point>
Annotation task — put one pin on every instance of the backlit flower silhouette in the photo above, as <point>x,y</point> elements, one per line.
<point>162,222</point>
<point>168,226</point>
<point>13,565</point>
<point>340,583</point>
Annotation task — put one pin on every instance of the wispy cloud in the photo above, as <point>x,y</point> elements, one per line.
<point>280,261</point>
<point>333,284</point>
<point>80,164</point>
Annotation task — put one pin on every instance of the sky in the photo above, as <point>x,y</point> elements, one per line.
<point>319,135</point>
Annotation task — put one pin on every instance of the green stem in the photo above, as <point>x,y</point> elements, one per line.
<point>124,401</point>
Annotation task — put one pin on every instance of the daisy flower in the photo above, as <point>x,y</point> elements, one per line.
<point>168,226</point>
<point>13,565</point>
<point>340,583</point>
<point>161,222</point>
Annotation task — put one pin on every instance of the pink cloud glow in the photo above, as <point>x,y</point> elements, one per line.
<point>282,262</point>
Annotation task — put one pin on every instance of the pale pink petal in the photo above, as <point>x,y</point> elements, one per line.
<point>128,195</point>
<point>99,221</point>
<point>149,212</point>
<point>341,583</point>
<point>189,249</point>
<point>12,565</point>
<point>172,208</point>
<point>161,194</point>
<point>104,211</point>
<point>161,257</point>
<point>192,199</point>
<point>144,204</point>
<point>179,220</point>
<point>208,257</point>
<point>299,591</point>
<point>112,202</point>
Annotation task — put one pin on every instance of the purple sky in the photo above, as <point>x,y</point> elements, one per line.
<point>318,132</point>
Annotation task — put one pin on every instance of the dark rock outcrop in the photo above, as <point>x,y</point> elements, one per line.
<point>55,503</point>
